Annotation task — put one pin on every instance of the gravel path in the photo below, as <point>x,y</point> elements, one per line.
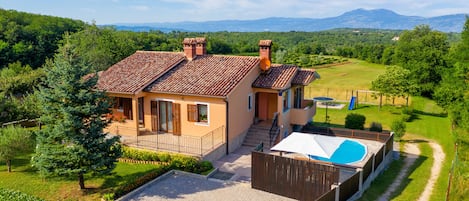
<point>412,153</point>
<point>438,158</point>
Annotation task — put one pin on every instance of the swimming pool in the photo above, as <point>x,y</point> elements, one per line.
<point>349,152</point>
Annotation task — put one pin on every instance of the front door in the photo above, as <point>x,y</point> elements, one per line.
<point>262,105</point>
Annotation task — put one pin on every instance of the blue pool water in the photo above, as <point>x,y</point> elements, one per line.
<point>350,151</point>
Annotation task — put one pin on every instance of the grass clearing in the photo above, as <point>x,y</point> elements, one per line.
<point>25,178</point>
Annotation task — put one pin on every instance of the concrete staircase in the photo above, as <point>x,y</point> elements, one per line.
<point>258,133</point>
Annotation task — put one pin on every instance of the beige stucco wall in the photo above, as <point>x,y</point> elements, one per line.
<point>240,117</point>
<point>216,112</point>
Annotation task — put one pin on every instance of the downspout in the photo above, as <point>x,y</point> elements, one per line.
<point>226,127</point>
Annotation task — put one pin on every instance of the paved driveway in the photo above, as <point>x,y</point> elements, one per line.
<point>186,186</point>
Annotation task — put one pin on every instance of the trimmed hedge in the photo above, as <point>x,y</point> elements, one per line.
<point>175,161</point>
<point>376,127</point>
<point>11,195</point>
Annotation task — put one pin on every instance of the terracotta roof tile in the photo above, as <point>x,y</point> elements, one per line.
<point>304,77</point>
<point>210,75</point>
<point>137,71</point>
<point>279,77</point>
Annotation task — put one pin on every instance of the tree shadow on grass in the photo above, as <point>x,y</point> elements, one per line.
<point>442,114</point>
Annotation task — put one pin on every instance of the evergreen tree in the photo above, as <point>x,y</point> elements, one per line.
<point>72,142</point>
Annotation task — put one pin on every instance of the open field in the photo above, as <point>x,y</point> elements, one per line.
<point>339,82</point>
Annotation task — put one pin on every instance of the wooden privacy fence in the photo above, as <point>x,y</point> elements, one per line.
<point>311,180</point>
<point>350,133</point>
<point>291,178</point>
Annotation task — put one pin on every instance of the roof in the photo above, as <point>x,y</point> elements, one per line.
<point>304,77</point>
<point>210,75</point>
<point>278,77</point>
<point>137,71</point>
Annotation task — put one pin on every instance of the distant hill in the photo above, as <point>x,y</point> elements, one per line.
<point>360,18</point>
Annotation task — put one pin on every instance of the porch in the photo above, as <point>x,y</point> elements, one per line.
<point>185,143</point>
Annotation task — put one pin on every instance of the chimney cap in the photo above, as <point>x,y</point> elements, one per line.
<point>189,41</point>
<point>265,42</point>
<point>200,40</point>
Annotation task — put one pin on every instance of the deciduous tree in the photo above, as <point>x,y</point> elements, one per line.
<point>14,141</point>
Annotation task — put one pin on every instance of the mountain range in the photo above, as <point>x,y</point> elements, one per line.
<point>359,18</point>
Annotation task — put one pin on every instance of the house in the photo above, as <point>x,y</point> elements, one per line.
<point>192,94</point>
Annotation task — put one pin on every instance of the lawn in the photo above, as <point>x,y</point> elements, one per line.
<point>430,122</point>
<point>25,178</point>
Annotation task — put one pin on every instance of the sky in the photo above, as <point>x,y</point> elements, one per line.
<point>147,11</point>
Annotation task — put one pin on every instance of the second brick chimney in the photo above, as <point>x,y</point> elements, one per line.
<point>190,48</point>
<point>265,49</point>
<point>201,48</point>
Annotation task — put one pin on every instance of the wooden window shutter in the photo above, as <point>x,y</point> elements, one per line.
<point>127,106</point>
<point>176,119</point>
<point>192,114</point>
<point>154,116</point>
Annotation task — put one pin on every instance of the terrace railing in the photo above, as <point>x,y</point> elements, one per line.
<point>187,144</point>
<point>274,130</point>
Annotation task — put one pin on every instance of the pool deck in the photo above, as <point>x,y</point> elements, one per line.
<point>346,172</point>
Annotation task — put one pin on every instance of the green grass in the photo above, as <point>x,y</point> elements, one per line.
<point>412,186</point>
<point>25,179</point>
<point>429,123</point>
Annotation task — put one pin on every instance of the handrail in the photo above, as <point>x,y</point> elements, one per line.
<point>274,130</point>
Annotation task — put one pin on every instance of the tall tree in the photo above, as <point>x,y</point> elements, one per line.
<point>453,94</point>
<point>423,52</point>
<point>14,141</point>
<point>73,142</point>
<point>394,82</point>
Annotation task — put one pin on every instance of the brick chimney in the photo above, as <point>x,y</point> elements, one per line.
<point>189,48</point>
<point>201,48</point>
<point>265,49</point>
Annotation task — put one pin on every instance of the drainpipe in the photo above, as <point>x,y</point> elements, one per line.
<point>226,127</point>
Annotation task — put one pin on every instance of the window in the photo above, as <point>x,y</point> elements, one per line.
<point>197,113</point>
<point>123,106</point>
<point>297,98</point>
<point>249,102</point>
<point>286,100</point>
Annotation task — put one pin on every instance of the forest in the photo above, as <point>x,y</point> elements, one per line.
<point>437,63</point>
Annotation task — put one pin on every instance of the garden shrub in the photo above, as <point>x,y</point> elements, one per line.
<point>11,195</point>
<point>376,127</point>
<point>130,186</point>
<point>355,121</point>
<point>407,114</point>
<point>398,127</point>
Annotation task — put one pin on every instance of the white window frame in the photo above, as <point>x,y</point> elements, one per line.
<point>208,114</point>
